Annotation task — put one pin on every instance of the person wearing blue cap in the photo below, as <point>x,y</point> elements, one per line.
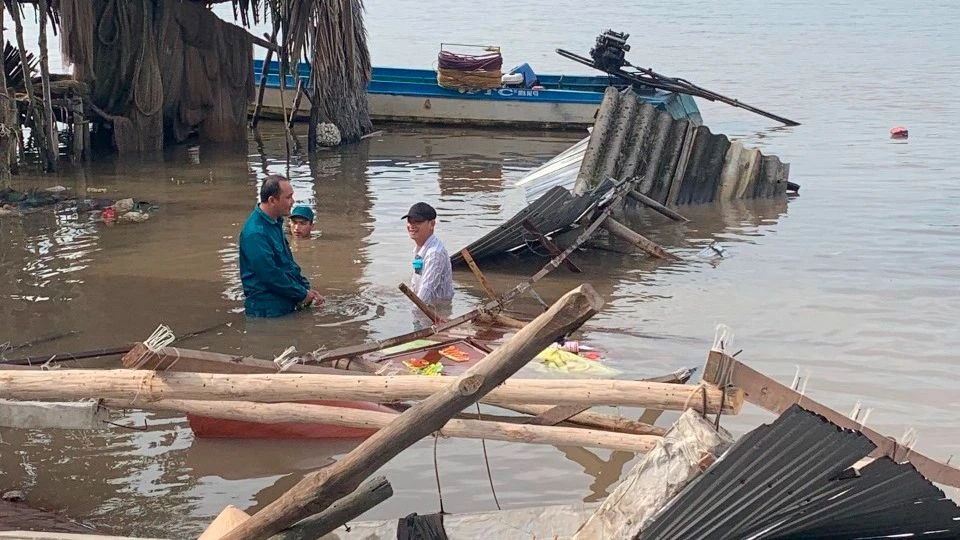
<point>432,273</point>
<point>301,222</point>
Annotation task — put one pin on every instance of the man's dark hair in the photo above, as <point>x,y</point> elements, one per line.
<point>271,186</point>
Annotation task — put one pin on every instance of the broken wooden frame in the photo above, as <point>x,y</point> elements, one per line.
<point>724,370</point>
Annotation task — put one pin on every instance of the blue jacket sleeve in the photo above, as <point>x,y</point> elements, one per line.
<point>260,257</point>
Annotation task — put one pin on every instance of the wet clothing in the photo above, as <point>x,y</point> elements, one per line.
<point>432,273</point>
<point>272,282</point>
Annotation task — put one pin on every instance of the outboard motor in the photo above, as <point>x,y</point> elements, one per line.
<point>609,54</point>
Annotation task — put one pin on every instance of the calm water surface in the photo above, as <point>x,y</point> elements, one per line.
<point>855,281</point>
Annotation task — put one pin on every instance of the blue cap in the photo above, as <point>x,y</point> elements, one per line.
<point>303,212</point>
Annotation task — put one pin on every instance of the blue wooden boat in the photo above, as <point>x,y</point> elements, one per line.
<point>413,96</point>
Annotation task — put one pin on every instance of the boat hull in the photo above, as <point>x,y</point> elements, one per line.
<point>206,427</point>
<point>397,95</point>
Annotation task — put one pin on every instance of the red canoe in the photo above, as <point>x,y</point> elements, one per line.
<point>206,427</point>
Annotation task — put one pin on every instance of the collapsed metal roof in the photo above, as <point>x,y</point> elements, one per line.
<point>555,210</point>
<point>794,479</point>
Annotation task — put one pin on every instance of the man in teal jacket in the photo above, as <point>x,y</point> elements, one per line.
<point>272,282</point>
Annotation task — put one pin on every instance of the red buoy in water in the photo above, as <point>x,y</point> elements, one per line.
<point>898,132</point>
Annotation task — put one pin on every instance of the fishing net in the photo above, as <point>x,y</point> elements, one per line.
<point>165,69</point>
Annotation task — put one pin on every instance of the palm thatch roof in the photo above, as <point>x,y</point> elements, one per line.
<point>328,34</point>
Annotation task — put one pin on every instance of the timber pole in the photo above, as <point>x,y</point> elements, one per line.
<point>49,124</point>
<point>653,204</point>
<point>369,494</point>
<point>263,77</point>
<point>8,117</point>
<point>279,413</point>
<point>649,246</point>
<point>319,490</point>
<point>144,386</point>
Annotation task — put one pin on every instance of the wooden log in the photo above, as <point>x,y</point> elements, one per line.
<point>775,397</point>
<point>637,239</point>
<point>468,258</point>
<point>298,95</point>
<point>319,490</point>
<point>549,245</point>
<point>279,413</point>
<point>227,519</point>
<point>8,117</point>
<point>52,149</point>
<point>46,415</point>
<point>369,494</point>
<point>654,205</point>
<point>147,386</point>
<point>421,305</point>
<point>255,117</point>
<point>653,482</point>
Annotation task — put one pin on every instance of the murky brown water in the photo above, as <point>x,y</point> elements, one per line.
<point>855,282</point>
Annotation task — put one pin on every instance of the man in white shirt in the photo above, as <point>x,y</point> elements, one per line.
<point>432,274</point>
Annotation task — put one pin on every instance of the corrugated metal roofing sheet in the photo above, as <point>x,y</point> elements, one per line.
<point>674,161</point>
<point>793,479</point>
<point>555,210</point>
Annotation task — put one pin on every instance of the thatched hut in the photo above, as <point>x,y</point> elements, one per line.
<point>158,71</point>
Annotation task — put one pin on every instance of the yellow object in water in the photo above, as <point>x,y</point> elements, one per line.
<point>556,359</point>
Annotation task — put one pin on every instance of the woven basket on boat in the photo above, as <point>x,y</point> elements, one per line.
<point>468,80</point>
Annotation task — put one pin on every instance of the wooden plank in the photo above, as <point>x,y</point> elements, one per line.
<point>547,243</point>
<point>319,490</point>
<point>769,394</point>
<point>491,294</point>
<point>177,359</point>
<point>654,205</point>
<point>649,246</point>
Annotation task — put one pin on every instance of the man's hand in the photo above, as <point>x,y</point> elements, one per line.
<point>312,298</point>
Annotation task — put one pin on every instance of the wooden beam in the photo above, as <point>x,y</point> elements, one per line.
<point>52,149</point>
<point>689,139</point>
<point>491,294</point>
<point>649,246</point>
<point>188,360</point>
<point>589,419</point>
<point>421,305</point>
<point>255,117</point>
<point>654,205</point>
<point>319,490</point>
<point>769,394</point>
<point>147,386</point>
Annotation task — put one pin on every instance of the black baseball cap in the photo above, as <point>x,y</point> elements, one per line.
<point>421,212</point>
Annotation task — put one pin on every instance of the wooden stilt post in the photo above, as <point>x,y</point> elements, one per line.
<point>255,118</point>
<point>36,111</point>
<point>8,114</point>
<point>319,490</point>
<point>669,212</point>
<point>637,239</point>
<point>295,108</point>
<point>49,124</point>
